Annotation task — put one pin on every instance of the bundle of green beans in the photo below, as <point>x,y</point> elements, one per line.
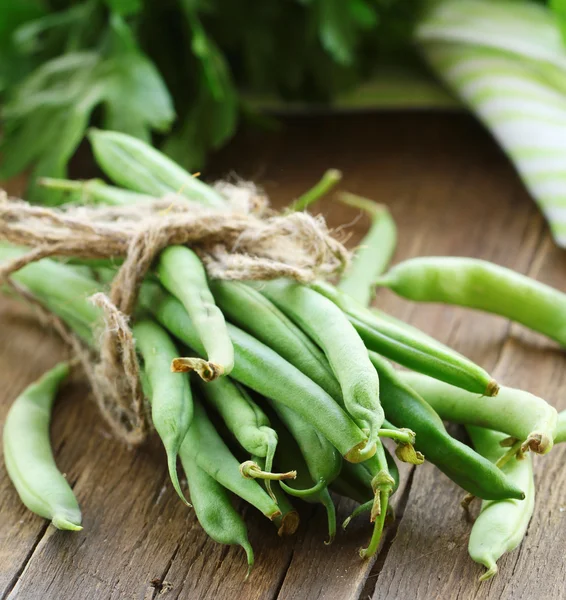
<point>279,390</point>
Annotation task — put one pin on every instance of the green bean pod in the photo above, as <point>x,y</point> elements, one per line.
<point>214,509</point>
<point>29,458</point>
<point>515,412</point>
<point>182,274</point>
<point>311,488</point>
<point>322,461</point>
<point>560,432</point>
<point>203,445</point>
<point>412,351</point>
<point>248,424</point>
<point>325,323</point>
<point>262,370</point>
<point>170,395</point>
<point>373,254</point>
<point>247,308</point>
<point>137,166</point>
<point>484,286</point>
<point>94,191</point>
<point>501,524</point>
<point>404,407</point>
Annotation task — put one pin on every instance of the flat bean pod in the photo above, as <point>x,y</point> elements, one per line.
<point>170,396</point>
<point>329,328</point>
<point>181,272</point>
<point>29,458</point>
<point>513,411</point>
<point>214,509</point>
<point>484,286</point>
<point>137,166</point>
<point>404,407</point>
<point>247,308</point>
<point>412,351</point>
<point>204,445</point>
<point>262,370</point>
<point>501,524</point>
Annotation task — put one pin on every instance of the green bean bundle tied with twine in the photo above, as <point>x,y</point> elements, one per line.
<point>232,243</point>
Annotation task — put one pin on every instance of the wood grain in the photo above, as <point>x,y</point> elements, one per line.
<point>451,192</point>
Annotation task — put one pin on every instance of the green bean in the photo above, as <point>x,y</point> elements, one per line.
<point>310,484</point>
<point>247,423</point>
<point>322,461</point>
<point>39,277</point>
<point>325,323</point>
<point>137,166</point>
<point>182,274</point>
<point>560,432</point>
<point>171,399</point>
<point>374,253</point>
<point>94,191</point>
<point>253,312</point>
<point>29,458</point>
<point>326,183</point>
<point>502,524</point>
<point>404,407</point>
<point>515,412</point>
<point>262,370</point>
<point>413,352</point>
<point>484,286</point>
<point>203,445</point>
<point>214,509</point>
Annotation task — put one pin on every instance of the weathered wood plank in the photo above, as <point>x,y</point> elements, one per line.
<point>451,192</point>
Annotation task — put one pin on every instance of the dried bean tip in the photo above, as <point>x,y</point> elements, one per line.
<point>538,442</point>
<point>492,388</point>
<point>359,453</point>
<point>491,571</point>
<point>206,370</point>
<point>289,524</point>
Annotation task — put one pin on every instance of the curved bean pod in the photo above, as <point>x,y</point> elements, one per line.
<point>247,308</point>
<point>182,274</point>
<point>322,461</point>
<point>412,351</point>
<point>214,509</point>
<point>275,378</point>
<point>514,412</point>
<point>404,407</point>
<point>484,286</point>
<point>305,486</point>
<point>247,423</point>
<point>203,445</point>
<point>170,396</point>
<point>29,458</point>
<point>501,524</point>
<point>325,323</point>
<point>374,252</point>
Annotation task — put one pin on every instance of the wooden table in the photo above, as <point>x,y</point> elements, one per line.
<point>452,192</point>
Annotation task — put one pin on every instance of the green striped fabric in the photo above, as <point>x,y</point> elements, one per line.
<point>506,61</point>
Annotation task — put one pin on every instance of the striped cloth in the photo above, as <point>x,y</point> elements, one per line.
<point>507,62</point>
